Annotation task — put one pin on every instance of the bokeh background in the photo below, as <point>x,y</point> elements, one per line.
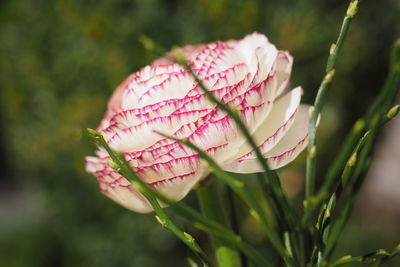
<point>59,62</point>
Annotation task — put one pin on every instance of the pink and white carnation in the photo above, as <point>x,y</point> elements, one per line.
<point>250,75</point>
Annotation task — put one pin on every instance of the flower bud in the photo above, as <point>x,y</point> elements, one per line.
<point>251,76</point>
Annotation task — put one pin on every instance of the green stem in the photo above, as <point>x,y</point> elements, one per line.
<point>377,256</point>
<point>241,190</point>
<point>358,164</point>
<point>380,104</point>
<point>212,227</point>
<point>395,252</point>
<point>199,221</point>
<point>361,169</point>
<point>212,208</point>
<point>320,101</point>
<point>119,163</point>
<point>277,193</point>
<point>234,220</point>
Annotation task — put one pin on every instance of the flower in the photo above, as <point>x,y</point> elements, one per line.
<point>250,75</point>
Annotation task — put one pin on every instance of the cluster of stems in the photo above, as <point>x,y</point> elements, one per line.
<point>306,238</point>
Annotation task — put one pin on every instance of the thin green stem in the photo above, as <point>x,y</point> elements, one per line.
<point>240,189</point>
<point>376,256</point>
<point>320,101</point>
<point>211,206</point>
<point>395,252</point>
<point>119,163</point>
<point>199,221</point>
<point>323,224</point>
<point>277,192</point>
<point>380,104</point>
<point>234,220</point>
<point>361,166</point>
<point>209,226</point>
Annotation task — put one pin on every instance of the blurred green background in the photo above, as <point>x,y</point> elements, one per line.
<point>61,60</point>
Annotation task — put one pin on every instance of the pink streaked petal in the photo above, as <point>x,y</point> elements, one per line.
<point>226,59</point>
<point>276,124</point>
<point>129,119</point>
<point>145,78</point>
<point>176,86</point>
<point>251,115</point>
<point>258,93</point>
<point>178,187</point>
<point>203,62</point>
<point>148,72</point>
<point>231,78</point>
<point>176,161</point>
<point>169,167</point>
<point>119,189</point>
<point>227,77</point>
<point>159,109</point>
<point>219,130</point>
<point>174,188</point>
<point>250,75</point>
<point>297,132</point>
<point>94,164</point>
<point>288,148</point>
<point>141,136</point>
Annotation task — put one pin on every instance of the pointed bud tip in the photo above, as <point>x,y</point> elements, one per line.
<point>352,9</point>
<point>332,48</point>
<point>327,213</point>
<point>359,126</point>
<point>92,131</point>
<point>329,76</point>
<point>353,159</point>
<point>93,134</point>
<point>313,152</point>
<point>188,237</point>
<point>393,112</point>
<point>159,220</point>
<point>382,252</point>
<point>113,164</point>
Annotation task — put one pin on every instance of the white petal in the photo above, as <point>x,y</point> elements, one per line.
<point>138,137</point>
<point>283,68</point>
<point>174,188</point>
<point>119,189</point>
<point>294,141</point>
<point>178,187</point>
<point>129,198</point>
<point>276,124</point>
<point>289,147</point>
<point>262,59</point>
